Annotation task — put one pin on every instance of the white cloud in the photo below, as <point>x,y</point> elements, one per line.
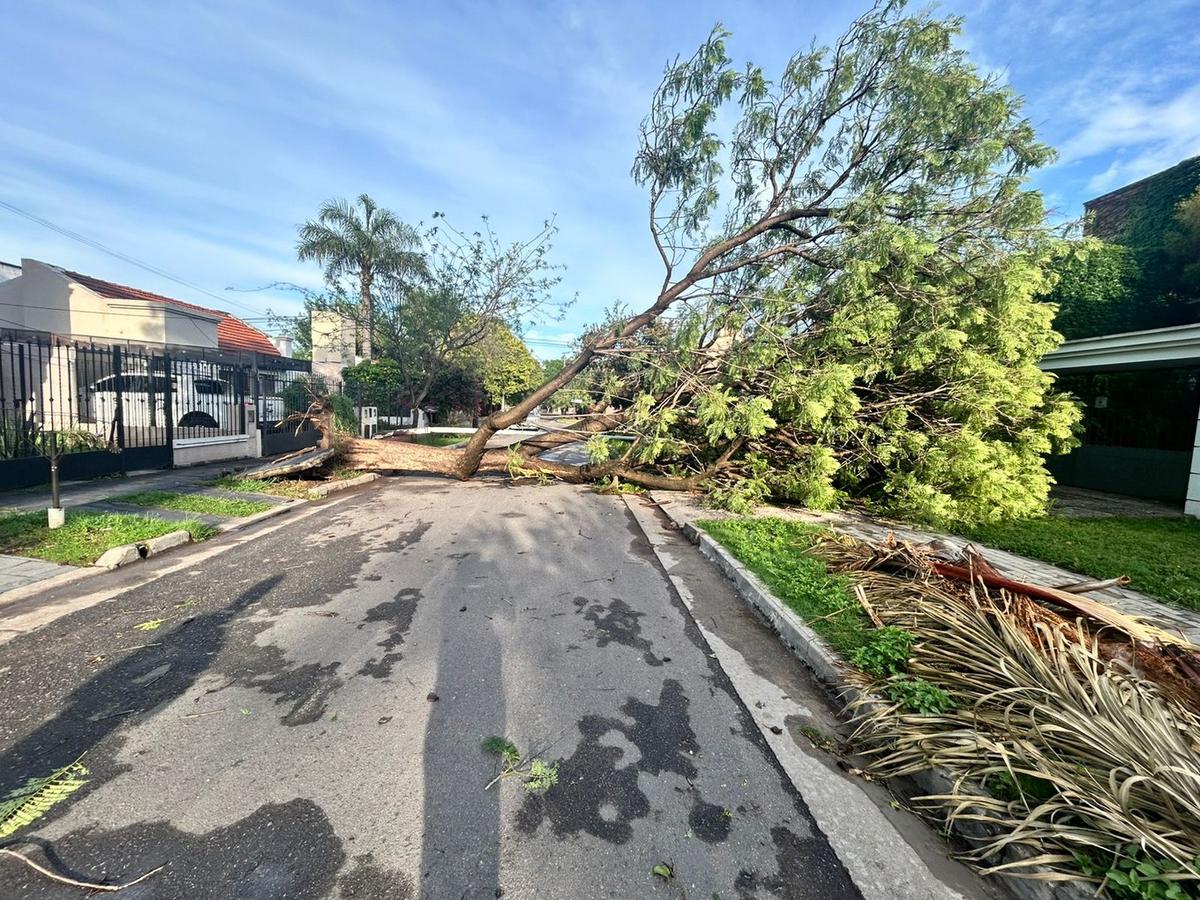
<point>1145,135</point>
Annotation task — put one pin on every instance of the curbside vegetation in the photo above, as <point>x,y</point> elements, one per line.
<point>86,535</point>
<point>1065,769</point>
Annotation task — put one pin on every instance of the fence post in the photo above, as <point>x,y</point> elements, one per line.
<point>25,433</point>
<point>169,407</point>
<point>119,411</point>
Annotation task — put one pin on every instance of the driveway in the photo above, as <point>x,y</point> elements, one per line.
<point>306,720</point>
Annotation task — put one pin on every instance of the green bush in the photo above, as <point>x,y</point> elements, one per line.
<point>885,653</point>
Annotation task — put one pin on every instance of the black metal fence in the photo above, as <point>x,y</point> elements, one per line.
<point>117,408</point>
<point>106,406</point>
<point>285,390</point>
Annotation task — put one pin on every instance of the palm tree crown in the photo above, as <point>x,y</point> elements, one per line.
<point>364,241</point>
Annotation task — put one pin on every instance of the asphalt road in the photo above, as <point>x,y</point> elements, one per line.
<point>307,719</point>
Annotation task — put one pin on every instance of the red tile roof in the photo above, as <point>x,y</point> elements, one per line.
<point>232,332</point>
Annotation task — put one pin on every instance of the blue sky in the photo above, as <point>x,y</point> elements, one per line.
<point>196,136</point>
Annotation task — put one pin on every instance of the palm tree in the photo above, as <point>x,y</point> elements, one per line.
<point>373,245</point>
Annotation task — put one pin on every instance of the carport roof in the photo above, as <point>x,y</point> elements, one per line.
<point>1154,348</point>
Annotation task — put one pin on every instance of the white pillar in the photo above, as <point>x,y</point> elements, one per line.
<point>1192,506</point>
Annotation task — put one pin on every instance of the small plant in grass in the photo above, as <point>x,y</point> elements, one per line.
<point>536,775</point>
<point>919,696</point>
<point>885,653</point>
<point>1135,875</point>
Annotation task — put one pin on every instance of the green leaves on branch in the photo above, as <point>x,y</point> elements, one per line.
<point>32,800</point>
<point>536,775</point>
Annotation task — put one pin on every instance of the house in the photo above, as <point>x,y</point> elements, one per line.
<point>50,301</point>
<point>1140,389</point>
<point>110,367</point>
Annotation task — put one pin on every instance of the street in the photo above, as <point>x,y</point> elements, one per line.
<point>301,716</point>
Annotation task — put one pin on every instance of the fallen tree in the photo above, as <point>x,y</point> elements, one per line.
<point>859,316</point>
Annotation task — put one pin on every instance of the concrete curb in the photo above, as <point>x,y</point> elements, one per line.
<point>238,524</point>
<point>124,554</point>
<point>829,670</point>
<point>324,490</point>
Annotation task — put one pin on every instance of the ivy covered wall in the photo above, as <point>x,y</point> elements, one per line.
<point>1129,274</point>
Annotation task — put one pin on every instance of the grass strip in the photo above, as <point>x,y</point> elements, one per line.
<point>202,504</point>
<point>85,535</point>
<point>440,440</point>
<point>277,487</point>
<point>1160,555</point>
<point>776,551</point>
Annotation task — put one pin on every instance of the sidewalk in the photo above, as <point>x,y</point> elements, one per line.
<point>78,493</point>
<point>19,571</point>
<point>684,507</point>
<point>103,496</point>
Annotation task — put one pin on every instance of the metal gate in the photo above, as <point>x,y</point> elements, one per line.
<point>110,409</point>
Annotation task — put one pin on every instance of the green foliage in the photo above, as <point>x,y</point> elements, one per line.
<point>614,485</point>
<point>85,534</point>
<point>502,747</point>
<point>885,652</point>
<point>536,776</point>
<point>1160,555</point>
<point>542,776</point>
<point>1155,229</point>
<point>918,695</point>
<point>364,249</point>
<point>1096,291</point>
<point>195,503</point>
<point>345,419</point>
<point>551,368</point>
<point>374,382</point>
<point>502,364</point>
<point>21,436</point>
<point>1027,789</point>
<point>1135,875</point>
<point>875,324</point>
<point>774,550</point>
<point>26,804</point>
<point>1182,246</point>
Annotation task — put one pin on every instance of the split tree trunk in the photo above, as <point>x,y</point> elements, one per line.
<point>706,266</point>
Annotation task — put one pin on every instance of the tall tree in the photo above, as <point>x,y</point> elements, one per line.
<point>475,283</point>
<point>365,243</point>
<point>890,139</point>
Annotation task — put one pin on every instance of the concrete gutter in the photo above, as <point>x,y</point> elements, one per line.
<point>830,671</point>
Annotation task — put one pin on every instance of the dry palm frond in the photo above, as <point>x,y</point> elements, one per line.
<point>1036,699</point>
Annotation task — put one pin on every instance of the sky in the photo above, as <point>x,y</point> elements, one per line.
<point>195,137</point>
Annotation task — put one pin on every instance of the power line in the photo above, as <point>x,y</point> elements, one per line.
<point>96,245</point>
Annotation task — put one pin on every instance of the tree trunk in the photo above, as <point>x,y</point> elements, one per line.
<point>699,271</point>
<point>473,452</point>
<point>366,312</point>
